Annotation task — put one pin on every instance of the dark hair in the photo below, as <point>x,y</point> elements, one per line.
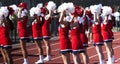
<point>11,24</point>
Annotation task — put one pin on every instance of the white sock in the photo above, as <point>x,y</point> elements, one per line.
<point>102,62</point>
<point>48,56</point>
<point>113,59</point>
<point>109,59</point>
<point>25,60</point>
<point>41,57</point>
<point>6,63</point>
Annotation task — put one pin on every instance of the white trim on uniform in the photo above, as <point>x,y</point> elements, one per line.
<point>23,37</point>
<point>78,50</point>
<point>65,50</point>
<point>38,38</point>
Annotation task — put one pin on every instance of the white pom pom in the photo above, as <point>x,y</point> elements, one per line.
<point>96,8</point>
<point>92,9</point>
<point>68,18</point>
<point>1,15</point>
<point>39,5</point>
<point>51,5</point>
<point>71,7</point>
<point>5,11</point>
<point>15,8</point>
<point>99,7</point>
<point>116,14</point>
<point>106,10</point>
<point>37,11</point>
<point>87,8</point>
<point>62,7</point>
<point>24,13</point>
<point>81,19</point>
<point>32,11</point>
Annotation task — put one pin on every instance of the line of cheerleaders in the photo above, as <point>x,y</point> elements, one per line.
<point>74,21</point>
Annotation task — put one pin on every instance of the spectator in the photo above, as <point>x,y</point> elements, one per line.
<point>117,19</point>
<point>54,24</point>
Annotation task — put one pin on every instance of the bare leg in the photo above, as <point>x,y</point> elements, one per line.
<point>66,58</point>
<point>85,57</point>
<point>40,51</point>
<point>39,47</point>
<point>76,58</point>
<point>100,54</point>
<point>112,51</point>
<point>24,51</point>
<point>23,48</point>
<point>109,51</point>
<point>8,55</point>
<point>47,45</point>
<point>4,56</point>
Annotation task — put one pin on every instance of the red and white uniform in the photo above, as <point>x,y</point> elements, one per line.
<point>22,24</point>
<point>105,31</point>
<point>22,28</point>
<point>37,30</point>
<point>77,45</point>
<point>97,36</point>
<point>89,18</point>
<point>5,40</point>
<point>46,28</point>
<point>110,23</point>
<point>65,44</point>
<point>83,36</point>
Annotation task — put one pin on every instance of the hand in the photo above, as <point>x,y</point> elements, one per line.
<point>47,17</point>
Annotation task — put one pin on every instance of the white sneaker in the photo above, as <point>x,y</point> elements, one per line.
<point>109,62</point>
<point>48,58</point>
<point>25,63</point>
<point>39,61</point>
<point>102,62</point>
<point>6,63</point>
<point>113,59</point>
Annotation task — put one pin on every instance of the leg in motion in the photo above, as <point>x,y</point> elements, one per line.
<point>40,51</point>
<point>76,58</point>
<point>85,57</point>
<point>24,51</point>
<point>48,50</point>
<point>100,53</point>
<point>66,58</point>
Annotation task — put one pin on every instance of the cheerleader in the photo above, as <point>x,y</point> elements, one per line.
<point>89,19</point>
<point>106,33</point>
<point>98,40</point>
<point>83,28</point>
<point>22,29</point>
<point>5,41</point>
<point>64,27</point>
<point>49,7</point>
<point>65,44</point>
<point>77,46</point>
<point>110,23</point>
<point>96,31</point>
<point>83,37</point>
<point>37,31</point>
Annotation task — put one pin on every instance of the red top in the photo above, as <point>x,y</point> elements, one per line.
<point>46,27</point>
